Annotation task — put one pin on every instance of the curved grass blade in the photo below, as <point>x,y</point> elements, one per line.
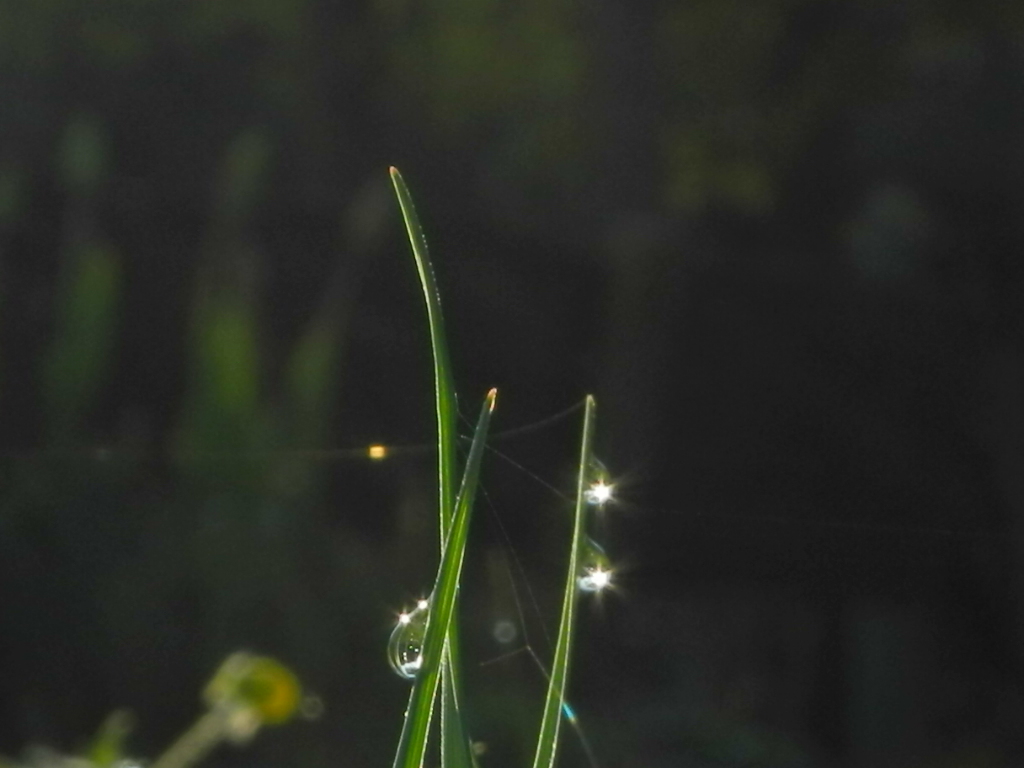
<point>444,386</point>
<point>413,742</point>
<point>455,752</point>
<point>554,704</point>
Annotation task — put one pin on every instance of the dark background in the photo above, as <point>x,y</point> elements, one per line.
<point>779,240</point>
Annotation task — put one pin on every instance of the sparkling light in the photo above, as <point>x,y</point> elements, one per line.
<point>377,452</point>
<point>405,617</point>
<point>595,580</point>
<point>599,492</point>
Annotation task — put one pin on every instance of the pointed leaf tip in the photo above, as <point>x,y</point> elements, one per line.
<point>492,398</point>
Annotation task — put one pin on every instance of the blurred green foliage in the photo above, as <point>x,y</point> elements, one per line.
<point>86,331</point>
<point>186,222</point>
<point>736,90</point>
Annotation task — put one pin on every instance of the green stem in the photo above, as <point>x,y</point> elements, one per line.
<point>547,740</point>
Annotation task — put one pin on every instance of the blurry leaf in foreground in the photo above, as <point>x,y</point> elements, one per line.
<point>107,746</point>
<point>259,684</point>
<point>245,693</point>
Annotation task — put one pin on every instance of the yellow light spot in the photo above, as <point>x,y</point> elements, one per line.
<point>377,452</point>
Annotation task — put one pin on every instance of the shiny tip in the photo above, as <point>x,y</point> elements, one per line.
<point>492,398</point>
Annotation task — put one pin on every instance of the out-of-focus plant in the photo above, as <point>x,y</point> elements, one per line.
<point>246,693</point>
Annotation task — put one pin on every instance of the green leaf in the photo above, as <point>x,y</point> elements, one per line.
<point>455,750</point>
<point>413,741</point>
<point>444,387</point>
<point>107,747</point>
<point>547,740</point>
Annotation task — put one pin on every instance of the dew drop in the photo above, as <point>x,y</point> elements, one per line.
<point>600,491</point>
<point>405,647</point>
<point>595,571</point>
<point>594,580</point>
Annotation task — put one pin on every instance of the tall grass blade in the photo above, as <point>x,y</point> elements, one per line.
<point>413,742</point>
<point>455,752</point>
<point>444,386</point>
<point>547,739</point>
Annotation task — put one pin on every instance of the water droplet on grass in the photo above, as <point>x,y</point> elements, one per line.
<point>405,648</point>
<point>601,489</point>
<point>599,493</point>
<point>595,570</point>
<point>594,580</point>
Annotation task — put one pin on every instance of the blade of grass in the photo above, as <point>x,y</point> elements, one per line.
<point>455,751</point>
<point>456,745</point>
<point>444,386</point>
<point>551,720</point>
<point>413,742</point>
